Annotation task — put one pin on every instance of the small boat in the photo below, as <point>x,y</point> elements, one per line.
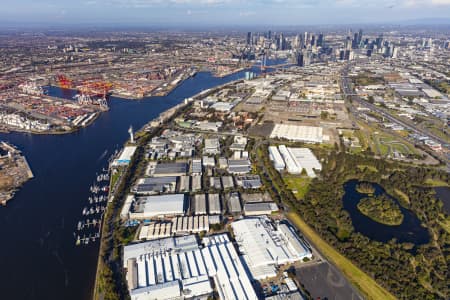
<point>80,225</point>
<point>85,210</point>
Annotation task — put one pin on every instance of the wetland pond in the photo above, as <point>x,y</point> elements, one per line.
<point>409,231</point>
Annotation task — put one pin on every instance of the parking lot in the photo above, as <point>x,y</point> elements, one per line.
<point>325,281</point>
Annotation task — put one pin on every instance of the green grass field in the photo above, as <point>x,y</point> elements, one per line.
<point>371,168</point>
<point>385,144</point>
<point>298,184</point>
<point>114,178</point>
<point>434,183</point>
<point>366,284</point>
<point>402,195</point>
<point>362,139</point>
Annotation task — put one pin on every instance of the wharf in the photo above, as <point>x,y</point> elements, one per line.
<point>14,173</point>
<point>27,168</point>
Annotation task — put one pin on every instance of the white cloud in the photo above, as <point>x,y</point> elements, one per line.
<point>150,3</point>
<point>423,3</point>
<point>291,4</point>
<point>191,12</point>
<point>440,2</point>
<point>247,13</point>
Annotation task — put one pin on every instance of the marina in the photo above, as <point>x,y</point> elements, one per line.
<point>88,228</point>
<point>64,167</point>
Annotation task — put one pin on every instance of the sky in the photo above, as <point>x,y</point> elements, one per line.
<point>220,12</point>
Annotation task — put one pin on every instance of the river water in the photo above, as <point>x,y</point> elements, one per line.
<point>409,231</point>
<point>38,256</point>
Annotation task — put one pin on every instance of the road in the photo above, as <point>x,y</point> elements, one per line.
<point>346,85</point>
<point>320,277</point>
<point>348,92</point>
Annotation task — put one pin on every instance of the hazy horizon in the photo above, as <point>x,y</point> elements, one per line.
<point>191,13</point>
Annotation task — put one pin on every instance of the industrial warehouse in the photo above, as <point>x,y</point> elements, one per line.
<point>207,227</point>
<point>158,206</point>
<point>266,245</point>
<point>178,268</point>
<point>295,160</point>
<point>307,134</point>
<point>181,267</point>
<point>125,156</point>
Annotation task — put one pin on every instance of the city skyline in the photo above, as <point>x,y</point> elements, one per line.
<point>224,12</point>
<point>187,149</point>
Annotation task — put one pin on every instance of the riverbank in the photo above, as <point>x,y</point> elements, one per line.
<point>15,172</point>
<point>64,167</point>
<point>105,280</point>
<point>55,132</point>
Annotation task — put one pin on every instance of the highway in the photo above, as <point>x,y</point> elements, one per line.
<point>348,91</point>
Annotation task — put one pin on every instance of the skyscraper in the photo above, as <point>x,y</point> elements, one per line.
<point>355,41</point>
<point>296,43</point>
<point>379,41</point>
<point>394,52</point>
<point>249,38</point>
<point>313,40</point>
<point>320,40</point>
<point>281,42</point>
<point>360,35</point>
<point>300,57</point>
<point>348,43</point>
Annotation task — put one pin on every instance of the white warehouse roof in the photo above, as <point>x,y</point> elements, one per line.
<point>292,165</point>
<point>125,156</point>
<point>276,158</point>
<point>224,265</point>
<point>166,269</point>
<point>309,134</point>
<point>297,159</point>
<point>174,267</point>
<point>306,159</point>
<point>126,206</point>
<point>265,246</point>
<point>156,206</point>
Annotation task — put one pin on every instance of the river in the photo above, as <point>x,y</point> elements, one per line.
<point>39,259</point>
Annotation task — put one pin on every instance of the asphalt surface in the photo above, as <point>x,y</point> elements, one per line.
<point>325,281</point>
<point>349,92</point>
